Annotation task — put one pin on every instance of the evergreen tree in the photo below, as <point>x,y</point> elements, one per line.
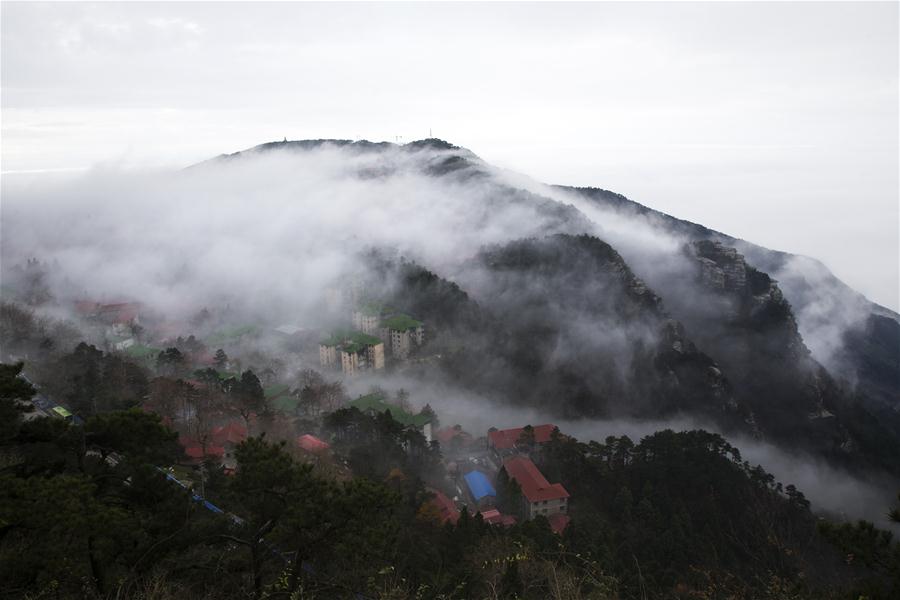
<point>220,359</point>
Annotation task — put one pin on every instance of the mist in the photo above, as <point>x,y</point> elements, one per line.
<point>263,235</point>
<point>833,492</point>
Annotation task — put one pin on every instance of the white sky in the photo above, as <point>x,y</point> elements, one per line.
<point>777,123</point>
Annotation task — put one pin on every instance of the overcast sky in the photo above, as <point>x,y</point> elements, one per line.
<point>777,123</point>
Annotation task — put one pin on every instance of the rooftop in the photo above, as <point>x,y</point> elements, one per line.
<point>232,433</point>
<point>535,486</point>
<point>196,452</point>
<point>401,323</point>
<point>372,309</point>
<point>311,443</point>
<point>446,507</point>
<point>377,403</point>
<point>479,485</point>
<point>559,522</point>
<point>505,439</point>
<point>351,341</point>
<point>495,517</point>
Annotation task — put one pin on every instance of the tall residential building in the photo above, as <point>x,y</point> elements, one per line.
<point>357,351</point>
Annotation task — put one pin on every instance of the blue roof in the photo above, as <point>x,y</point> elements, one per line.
<point>479,485</point>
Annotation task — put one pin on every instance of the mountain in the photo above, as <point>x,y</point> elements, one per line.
<point>569,305</point>
<point>592,305</point>
<point>574,301</point>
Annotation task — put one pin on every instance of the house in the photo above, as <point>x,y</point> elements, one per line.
<point>196,452</point>
<point>230,435</point>
<point>540,497</point>
<point>454,439</point>
<point>446,507</point>
<point>196,455</point>
<point>312,444</point>
<point>481,489</point>
<point>495,517</point>
<point>357,351</point>
<point>506,442</point>
<point>119,317</point>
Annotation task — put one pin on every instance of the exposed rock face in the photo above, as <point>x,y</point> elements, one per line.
<point>854,338</point>
<point>745,322</point>
<point>722,268</point>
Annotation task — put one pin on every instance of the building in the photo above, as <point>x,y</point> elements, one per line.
<point>367,318</point>
<point>230,435</point>
<point>227,437</point>
<point>327,354</point>
<point>481,489</point>
<point>495,517</point>
<point>400,332</point>
<point>454,439</point>
<point>506,442</point>
<point>357,351</point>
<point>403,333</point>
<point>312,444</point>
<point>373,404</point>
<point>119,318</point>
<point>540,497</point>
<point>445,506</point>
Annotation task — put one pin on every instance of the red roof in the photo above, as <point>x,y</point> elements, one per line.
<point>123,312</point>
<point>447,508</point>
<point>535,486</point>
<point>507,438</point>
<point>311,443</point>
<point>495,517</point>
<point>446,435</point>
<point>211,451</point>
<point>234,433</point>
<point>559,522</point>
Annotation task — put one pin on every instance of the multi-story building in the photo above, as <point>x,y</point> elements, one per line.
<point>357,352</point>
<point>539,496</point>
<point>398,331</point>
<point>403,332</point>
<point>367,318</point>
<point>327,354</point>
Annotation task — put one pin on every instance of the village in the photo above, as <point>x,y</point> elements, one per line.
<point>219,388</point>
